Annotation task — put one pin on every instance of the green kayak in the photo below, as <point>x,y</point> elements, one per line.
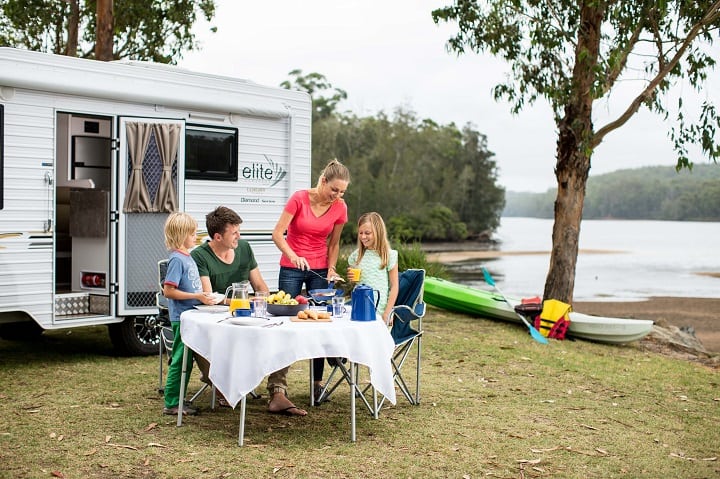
<point>465,299</point>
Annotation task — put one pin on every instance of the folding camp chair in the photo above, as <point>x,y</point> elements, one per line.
<point>409,306</point>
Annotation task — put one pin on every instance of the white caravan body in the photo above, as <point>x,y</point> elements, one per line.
<point>94,155</point>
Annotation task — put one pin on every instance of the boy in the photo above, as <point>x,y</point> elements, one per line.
<point>183,289</point>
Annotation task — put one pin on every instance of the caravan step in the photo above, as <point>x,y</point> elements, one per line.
<point>68,304</point>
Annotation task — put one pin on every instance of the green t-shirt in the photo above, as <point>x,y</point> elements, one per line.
<point>220,273</point>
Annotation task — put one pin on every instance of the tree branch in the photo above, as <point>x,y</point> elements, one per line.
<point>712,15</point>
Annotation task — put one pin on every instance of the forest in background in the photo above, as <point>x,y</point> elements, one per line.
<point>648,193</point>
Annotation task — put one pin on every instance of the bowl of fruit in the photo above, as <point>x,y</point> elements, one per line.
<point>282,304</point>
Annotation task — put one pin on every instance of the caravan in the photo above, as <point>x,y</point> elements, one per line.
<point>93,157</point>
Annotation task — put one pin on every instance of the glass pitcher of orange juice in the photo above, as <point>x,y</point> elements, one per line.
<point>238,294</point>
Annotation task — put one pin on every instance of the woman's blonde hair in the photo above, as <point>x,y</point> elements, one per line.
<point>382,245</point>
<point>178,227</point>
<point>334,171</point>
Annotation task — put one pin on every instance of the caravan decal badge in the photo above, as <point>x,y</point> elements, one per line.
<point>268,174</point>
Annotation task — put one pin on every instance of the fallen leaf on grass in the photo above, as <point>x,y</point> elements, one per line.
<point>90,452</point>
<point>528,461</point>
<point>151,426</point>
<point>276,469</point>
<point>156,444</point>
<point>540,451</point>
<point>601,451</point>
<point>122,446</point>
<point>107,438</point>
<point>57,474</point>
<point>147,462</point>
<point>589,427</point>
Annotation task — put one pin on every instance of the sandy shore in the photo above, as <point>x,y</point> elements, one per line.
<point>701,314</point>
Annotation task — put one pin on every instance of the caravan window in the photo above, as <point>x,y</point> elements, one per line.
<point>211,153</point>
<point>2,153</point>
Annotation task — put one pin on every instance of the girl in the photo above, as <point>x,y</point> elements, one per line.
<point>377,262</point>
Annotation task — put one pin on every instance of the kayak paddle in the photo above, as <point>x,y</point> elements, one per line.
<point>533,332</point>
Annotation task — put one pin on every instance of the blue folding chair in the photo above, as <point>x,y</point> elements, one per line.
<point>409,307</point>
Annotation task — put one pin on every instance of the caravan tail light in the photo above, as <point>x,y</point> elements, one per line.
<point>93,280</point>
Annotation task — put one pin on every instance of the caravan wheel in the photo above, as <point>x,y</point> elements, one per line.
<point>136,336</point>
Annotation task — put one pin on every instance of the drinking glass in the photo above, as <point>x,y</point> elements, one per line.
<point>260,304</point>
<point>338,306</point>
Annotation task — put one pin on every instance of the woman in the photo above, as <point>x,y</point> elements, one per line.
<point>313,220</point>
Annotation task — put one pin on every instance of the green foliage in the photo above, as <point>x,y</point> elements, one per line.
<point>657,193</point>
<point>428,181</point>
<point>325,97</point>
<point>156,31</point>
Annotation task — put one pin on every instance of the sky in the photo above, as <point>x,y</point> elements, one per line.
<point>389,53</point>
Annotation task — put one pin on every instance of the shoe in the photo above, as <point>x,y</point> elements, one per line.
<point>317,392</point>
<point>187,410</point>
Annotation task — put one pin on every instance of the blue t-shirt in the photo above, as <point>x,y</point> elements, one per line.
<point>182,273</point>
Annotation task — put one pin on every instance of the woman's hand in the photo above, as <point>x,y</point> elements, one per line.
<point>300,263</point>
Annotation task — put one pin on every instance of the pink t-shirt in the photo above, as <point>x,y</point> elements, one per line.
<point>307,234</point>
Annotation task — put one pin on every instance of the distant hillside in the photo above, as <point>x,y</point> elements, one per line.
<point>655,192</point>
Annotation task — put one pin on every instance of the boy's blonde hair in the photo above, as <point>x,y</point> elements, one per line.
<point>382,245</point>
<point>178,227</point>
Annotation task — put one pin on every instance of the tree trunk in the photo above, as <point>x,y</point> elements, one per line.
<point>72,29</point>
<point>573,157</point>
<point>104,31</point>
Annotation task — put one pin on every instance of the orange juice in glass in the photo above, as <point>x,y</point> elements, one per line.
<point>239,303</point>
<point>354,274</point>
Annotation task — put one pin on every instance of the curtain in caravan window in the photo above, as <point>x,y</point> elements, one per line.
<point>167,137</point>
<point>137,199</point>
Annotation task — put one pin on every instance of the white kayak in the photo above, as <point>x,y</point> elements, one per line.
<point>608,330</point>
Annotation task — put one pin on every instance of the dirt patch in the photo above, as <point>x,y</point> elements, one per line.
<point>687,328</point>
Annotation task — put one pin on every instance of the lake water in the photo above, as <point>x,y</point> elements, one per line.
<point>619,260</point>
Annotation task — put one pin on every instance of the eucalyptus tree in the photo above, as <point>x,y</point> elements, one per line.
<point>158,30</point>
<point>574,54</point>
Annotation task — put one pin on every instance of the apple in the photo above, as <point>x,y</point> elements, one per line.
<point>301,299</point>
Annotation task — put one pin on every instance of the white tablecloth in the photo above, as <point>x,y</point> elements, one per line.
<point>241,356</point>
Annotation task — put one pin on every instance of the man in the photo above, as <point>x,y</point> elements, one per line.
<point>227,259</point>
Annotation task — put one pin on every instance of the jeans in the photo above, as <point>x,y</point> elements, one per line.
<point>291,281</point>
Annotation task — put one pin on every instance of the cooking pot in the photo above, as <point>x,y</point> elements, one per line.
<point>364,303</point>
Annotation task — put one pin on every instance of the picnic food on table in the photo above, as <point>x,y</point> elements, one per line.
<point>281,297</point>
<point>312,314</point>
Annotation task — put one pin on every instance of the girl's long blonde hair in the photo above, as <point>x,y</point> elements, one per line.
<point>382,245</point>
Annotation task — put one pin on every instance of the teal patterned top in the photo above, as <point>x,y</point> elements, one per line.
<point>372,275</point>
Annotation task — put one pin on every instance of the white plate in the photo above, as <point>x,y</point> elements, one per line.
<point>245,321</point>
<point>213,308</point>
<point>217,297</point>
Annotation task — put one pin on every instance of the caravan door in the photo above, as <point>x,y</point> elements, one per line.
<point>150,186</point>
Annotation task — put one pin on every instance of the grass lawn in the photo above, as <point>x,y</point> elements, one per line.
<point>494,404</point>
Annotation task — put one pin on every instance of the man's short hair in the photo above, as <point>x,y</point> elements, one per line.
<point>219,219</point>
